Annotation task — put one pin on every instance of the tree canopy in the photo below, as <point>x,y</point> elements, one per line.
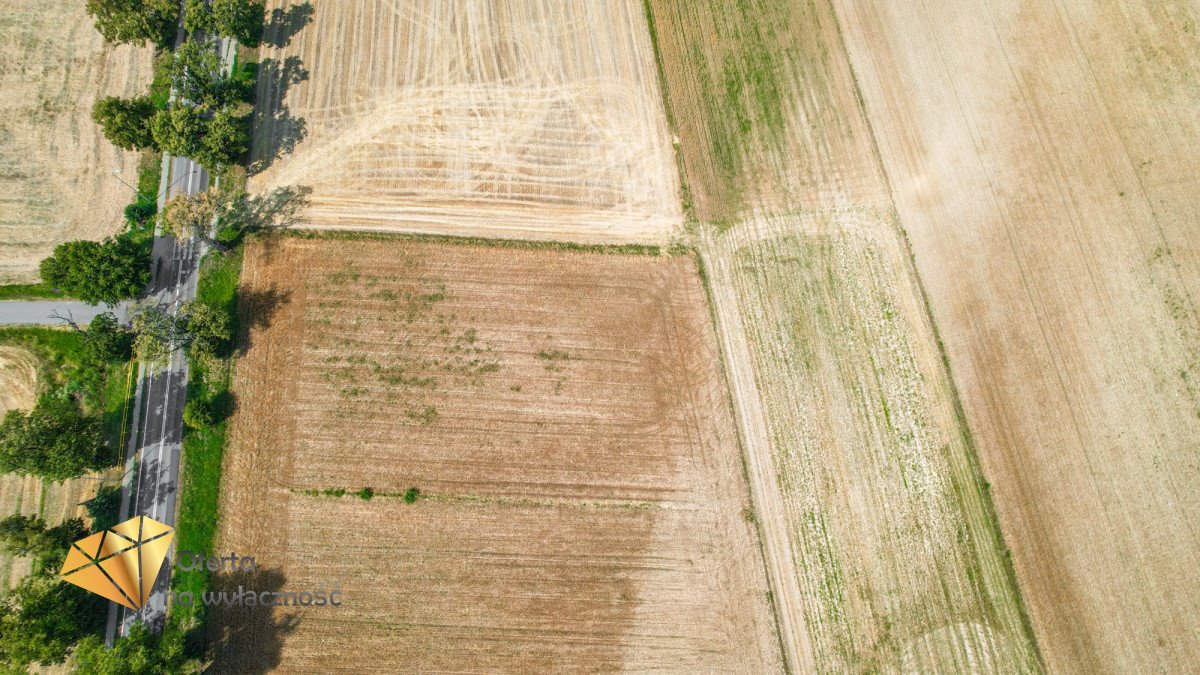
<point>198,18</point>
<point>157,332</point>
<point>28,535</point>
<point>208,328</point>
<point>126,121</point>
<point>95,272</point>
<point>55,440</point>
<point>190,215</point>
<point>105,340</point>
<point>240,19</point>
<point>140,652</point>
<point>135,21</point>
<point>42,618</point>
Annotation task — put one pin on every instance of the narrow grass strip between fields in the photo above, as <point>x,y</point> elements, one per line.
<point>535,245</point>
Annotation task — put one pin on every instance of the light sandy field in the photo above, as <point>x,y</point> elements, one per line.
<point>18,379</point>
<point>534,119</point>
<point>880,538</point>
<point>56,181</point>
<point>1046,159</point>
<point>564,415</point>
<point>54,502</point>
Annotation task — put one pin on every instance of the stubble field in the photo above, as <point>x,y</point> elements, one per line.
<point>563,413</point>
<point>56,181</point>
<point>1046,158</point>
<point>27,495</point>
<point>881,540</point>
<point>532,119</point>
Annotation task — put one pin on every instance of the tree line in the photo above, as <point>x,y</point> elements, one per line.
<point>210,120</point>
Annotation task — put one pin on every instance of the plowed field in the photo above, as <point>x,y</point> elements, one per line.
<point>563,414</point>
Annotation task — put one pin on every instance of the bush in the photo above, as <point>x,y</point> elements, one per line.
<point>140,211</point>
<point>366,494</point>
<point>411,495</point>
<point>104,508</point>
<point>198,413</point>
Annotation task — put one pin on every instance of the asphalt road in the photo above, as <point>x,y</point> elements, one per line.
<point>152,466</point>
<point>39,312</point>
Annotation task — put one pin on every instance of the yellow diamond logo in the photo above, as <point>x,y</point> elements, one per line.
<point>120,563</point>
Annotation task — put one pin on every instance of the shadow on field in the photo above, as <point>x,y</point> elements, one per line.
<point>278,208</point>
<point>276,131</point>
<point>244,639</point>
<point>256,309</point>
<point>284,24</point>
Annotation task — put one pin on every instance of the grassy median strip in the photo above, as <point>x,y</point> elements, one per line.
<point>204,447</point>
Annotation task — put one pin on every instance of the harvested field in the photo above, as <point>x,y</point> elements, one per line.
<point>18,379</point>
<point>881,541</point>
<point>1045,159</point>
<point>56,181</point>
<point>532,119</point>
<point>26,495</point>
<point>564,416</point>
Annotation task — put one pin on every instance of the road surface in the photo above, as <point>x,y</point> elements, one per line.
<point>39,312</point>
<point>152,458</point>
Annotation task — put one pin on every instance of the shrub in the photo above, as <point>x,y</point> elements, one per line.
<point>366,494</point>
<point>411,495</point>
<point>140,211</point>
<point>199,413</point>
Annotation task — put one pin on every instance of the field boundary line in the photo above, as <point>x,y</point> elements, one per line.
<point>964,428</point>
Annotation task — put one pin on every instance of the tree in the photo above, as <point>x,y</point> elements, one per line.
<point>226,141</point>
<point>192,215</point>
<point>208,328</point>
<point>240,19</point>
<point>180,131</point>
<point>197,74</point>
<point>198,18</point>
<point>54,440</point>
<point>42,618</point>
<point>106,341</point>
<point>139,652</point>
<point>136,21</point>
<point>28,535</point>
<point>158,333</point>
<point>126,122</point>
<point>198,413</point>
<point>95,272</point>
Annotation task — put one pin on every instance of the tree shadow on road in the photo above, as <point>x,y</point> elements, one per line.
<point>276,131</point>
<point>284,24</point>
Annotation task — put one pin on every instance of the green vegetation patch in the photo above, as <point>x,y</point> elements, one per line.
<point>204,447</point>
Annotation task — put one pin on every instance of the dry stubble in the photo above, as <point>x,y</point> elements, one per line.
<point>56,181</point>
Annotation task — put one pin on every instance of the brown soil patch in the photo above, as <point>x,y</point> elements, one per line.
<point>563,414</point>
